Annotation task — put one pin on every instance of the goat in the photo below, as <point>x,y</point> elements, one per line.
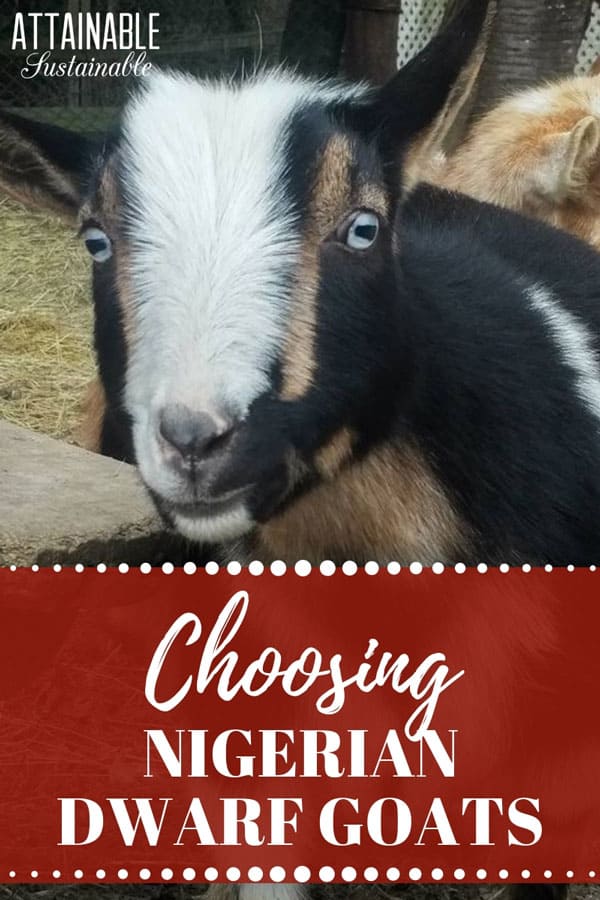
<point>537,152</point>
<point>300,353</point>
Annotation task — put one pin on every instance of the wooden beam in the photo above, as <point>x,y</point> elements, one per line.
<point>313,36</point>
<point>532,41</point>
<point>371,47</point>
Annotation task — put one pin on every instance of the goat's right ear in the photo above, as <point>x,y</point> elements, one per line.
<point>42,165</point>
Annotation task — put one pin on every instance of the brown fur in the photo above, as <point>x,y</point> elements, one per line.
<point>329,197</point>
<point>330,458</point>
<point>89,432</point>
<point>372,196</point>
<point>103,204</point>
<point>104,208</point>
<point>299,363</point>
<point>537,152</point>
<point>332,187</point>
<point>388,506</point>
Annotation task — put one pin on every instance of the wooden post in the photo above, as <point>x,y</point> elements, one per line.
<point>371,48</point>
<point>532,40</point>
<point>313,36</point>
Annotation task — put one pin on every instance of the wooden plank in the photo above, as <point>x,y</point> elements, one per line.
<point>60,503</point>
<point>371,47</point>
<point>532,41</point>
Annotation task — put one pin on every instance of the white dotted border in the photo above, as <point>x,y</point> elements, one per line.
<point>302,568</point>
<point>304,874</point>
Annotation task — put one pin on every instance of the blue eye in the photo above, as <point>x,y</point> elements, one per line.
<point>363,230</point>
<point>98,244</point>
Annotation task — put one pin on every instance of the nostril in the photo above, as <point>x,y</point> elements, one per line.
<point>193,434</point>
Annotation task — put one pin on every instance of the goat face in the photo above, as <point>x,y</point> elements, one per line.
<point>251,290</point>
<point>244,287</point>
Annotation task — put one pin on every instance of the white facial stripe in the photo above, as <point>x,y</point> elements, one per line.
<point>211,241</point>
<point>212,238</point>
<point>574,344</point>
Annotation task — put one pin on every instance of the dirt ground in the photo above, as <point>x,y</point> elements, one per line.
<point>196,892</point>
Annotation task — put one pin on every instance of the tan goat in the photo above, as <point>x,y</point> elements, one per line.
<point>537,152</point>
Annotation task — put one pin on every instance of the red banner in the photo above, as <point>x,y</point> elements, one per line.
<point>388,727</point>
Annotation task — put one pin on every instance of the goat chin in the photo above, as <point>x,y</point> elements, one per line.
<point>255,892</point>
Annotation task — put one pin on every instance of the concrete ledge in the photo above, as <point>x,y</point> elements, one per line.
<point>62,504</point>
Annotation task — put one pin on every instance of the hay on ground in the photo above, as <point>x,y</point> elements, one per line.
<point>46,356</point>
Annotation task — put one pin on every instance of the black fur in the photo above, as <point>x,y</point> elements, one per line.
<point>109,342</point>
<point>494,406</point>
<point>63,151</point>
<point>445,348</point>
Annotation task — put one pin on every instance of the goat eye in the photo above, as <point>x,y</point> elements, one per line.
<point>362,231</point>
<point>98,244</point>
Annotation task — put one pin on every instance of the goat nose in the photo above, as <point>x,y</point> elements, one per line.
<point>193,434</point>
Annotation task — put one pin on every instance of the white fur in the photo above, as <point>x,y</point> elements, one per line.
<point>211,248</point>
<point>574,344</point>
<point>537,101</point>
<point>594,98</point>
<point>221,527</point>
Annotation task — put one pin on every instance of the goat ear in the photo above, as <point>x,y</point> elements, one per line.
<point>567,160</point>
<point>417,108</point>
<point>42,165</point>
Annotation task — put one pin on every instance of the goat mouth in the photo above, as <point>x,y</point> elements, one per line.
<point>211,521</point>
<point>207,507</point>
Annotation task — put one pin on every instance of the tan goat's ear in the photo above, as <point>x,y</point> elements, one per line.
<point>42,165</point>
<point>567,160</point>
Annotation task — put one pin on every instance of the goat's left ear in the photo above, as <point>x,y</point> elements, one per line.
<point>416,109</point>
<point>42,165</point>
